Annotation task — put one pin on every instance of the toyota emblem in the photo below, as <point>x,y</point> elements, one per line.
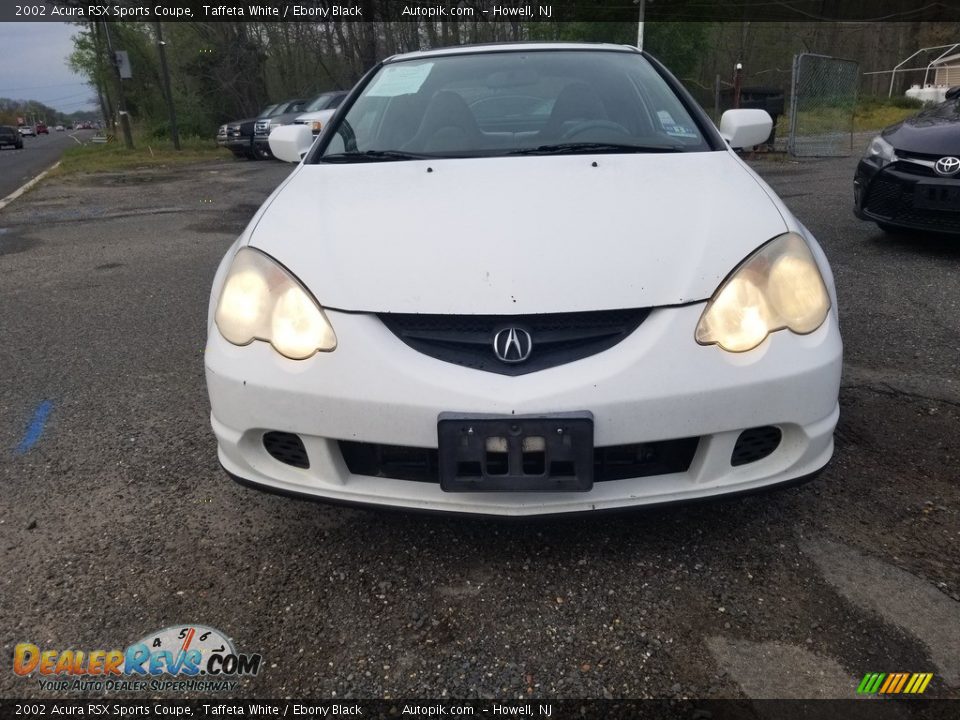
<point>512,345</point>
<point>947,166</point>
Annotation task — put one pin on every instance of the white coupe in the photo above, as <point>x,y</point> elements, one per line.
<point>518,280</point>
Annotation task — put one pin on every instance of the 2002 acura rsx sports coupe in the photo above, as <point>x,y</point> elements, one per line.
<point>523,279</point>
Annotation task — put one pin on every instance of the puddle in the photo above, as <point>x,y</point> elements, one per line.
<point>231,222</point>
<point>10,243</point>
<point>107,180</point>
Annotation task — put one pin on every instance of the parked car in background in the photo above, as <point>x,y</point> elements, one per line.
<point>318,113</point>
<point>237,135</point>
<point>264,126</point>
<point>27,131</point>
<point>42,129</point>
<point>9,136</point>
<point>593,306</point>
<point>910,176</point>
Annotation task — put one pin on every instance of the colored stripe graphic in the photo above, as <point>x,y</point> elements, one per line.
<point>894,683</point>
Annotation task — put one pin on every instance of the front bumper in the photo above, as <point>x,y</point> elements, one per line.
<point>887,195</point>
<point>235,143</point>
<point>657,384</point>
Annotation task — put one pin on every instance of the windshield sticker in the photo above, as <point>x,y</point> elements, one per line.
<point>666,119</point>
<point>680,131</point>
<point>400,79</point>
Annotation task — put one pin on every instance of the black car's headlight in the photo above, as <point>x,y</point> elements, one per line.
<point>882,151</point>
<point>260,300</point>
<point>779,287</point>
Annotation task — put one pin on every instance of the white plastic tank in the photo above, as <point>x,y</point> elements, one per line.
<point>914,92</point>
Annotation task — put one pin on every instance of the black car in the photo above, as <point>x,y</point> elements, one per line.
<point>237,135</point>
<point>285,115</point>
<point>910,177</point>
<point>10,136</point>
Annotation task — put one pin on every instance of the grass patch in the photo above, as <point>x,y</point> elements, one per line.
<point>869,114</point>
<point>147,153</point>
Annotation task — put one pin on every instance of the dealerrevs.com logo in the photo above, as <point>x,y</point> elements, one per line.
<point>180,657</point>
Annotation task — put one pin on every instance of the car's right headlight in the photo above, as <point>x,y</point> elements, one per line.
<point>260,300</point>
<point>881,150</point>
<point>778,287</point>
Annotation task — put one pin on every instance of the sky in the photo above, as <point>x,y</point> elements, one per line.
<point>33,66</point>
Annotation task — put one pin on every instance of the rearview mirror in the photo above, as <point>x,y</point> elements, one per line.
<point>291,142</point>
<point>744,128</point>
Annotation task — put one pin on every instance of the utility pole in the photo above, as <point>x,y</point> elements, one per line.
<point>121,103</point>
<point>161,46</point>
<point>643,9</point>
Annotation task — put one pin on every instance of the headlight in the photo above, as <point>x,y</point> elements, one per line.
<point>882,150</point>
<point>778,287</point>
<point>260,300</point>
<point>317,126</point>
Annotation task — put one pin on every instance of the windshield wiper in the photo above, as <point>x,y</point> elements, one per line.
<point>373,156</point>
<point>595,147</point>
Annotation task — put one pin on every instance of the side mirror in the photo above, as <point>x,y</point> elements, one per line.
<point>291,142</point>
<point>744,128</point>
<point>953,93</point>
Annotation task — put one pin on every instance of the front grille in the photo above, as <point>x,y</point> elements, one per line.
<point>891,198</point>
<point>884,196</point>
<point>556,338</point>
<point>912,168</point>
<point>287,448</point>
<point>948,222</point>
<point>617,462</point>
<point>755,444</point>
<point>262,127</point>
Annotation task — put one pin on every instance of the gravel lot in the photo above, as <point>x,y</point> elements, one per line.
<point>119,521</point>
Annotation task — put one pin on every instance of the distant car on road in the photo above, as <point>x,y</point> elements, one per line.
<point>42,129</point>
<point>10,136</point>
<point>910,176</point>
<point>26,130</point>
<point>59,128</point>
<point>318,113</point>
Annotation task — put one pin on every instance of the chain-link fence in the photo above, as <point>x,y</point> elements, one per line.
<point>822,101</point>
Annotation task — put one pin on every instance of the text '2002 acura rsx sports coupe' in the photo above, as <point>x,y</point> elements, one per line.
<point>517,280</point>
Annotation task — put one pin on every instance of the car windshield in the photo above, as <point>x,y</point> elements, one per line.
<point>267,111</point>
<point>514,102</point>
<point>324,102</point>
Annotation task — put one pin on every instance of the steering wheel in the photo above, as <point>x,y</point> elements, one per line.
<point>588,125</point>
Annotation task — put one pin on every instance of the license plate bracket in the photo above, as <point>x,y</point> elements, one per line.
<point>515,453</point>
<point>937,196</point>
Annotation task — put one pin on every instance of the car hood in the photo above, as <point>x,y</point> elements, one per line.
<point>935,131</point>
<point>517,235</point>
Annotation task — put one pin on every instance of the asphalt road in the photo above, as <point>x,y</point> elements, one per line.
<point>117,519</point>
<point>39,153</point>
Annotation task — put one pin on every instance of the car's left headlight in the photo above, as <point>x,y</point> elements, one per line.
<point>260,300</point>
<point>778,287</point>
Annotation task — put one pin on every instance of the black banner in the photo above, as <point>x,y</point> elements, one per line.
<point>479,10</point>
<point>865,709</point>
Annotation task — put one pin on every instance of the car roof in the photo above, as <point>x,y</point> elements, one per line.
<point>509,47</point>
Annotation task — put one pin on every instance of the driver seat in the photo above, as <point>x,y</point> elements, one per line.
<point>577,102</point>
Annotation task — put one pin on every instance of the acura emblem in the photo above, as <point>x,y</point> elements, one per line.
<point>947,166</point>
<point>512,345</point>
